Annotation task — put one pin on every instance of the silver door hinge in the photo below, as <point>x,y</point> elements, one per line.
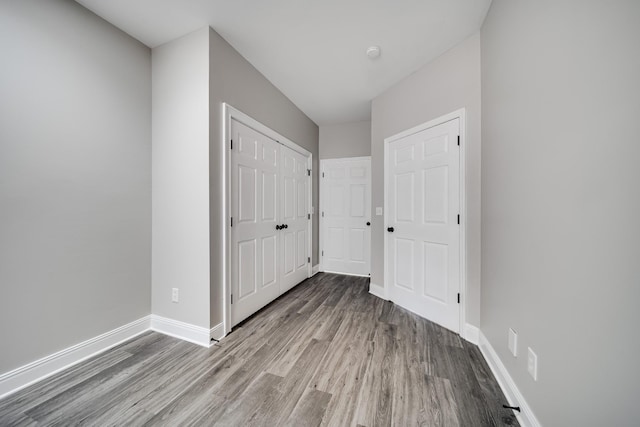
<point>458,219</point>
<point>323,174</point>
<point>323,214</point>
<point>458,298</point>
<point>458,140</point>
<point>231,298</point>
<point>309,172</point>
<point>231,144</point>
<point>308,259</point>
<point>308,216</point>
<point>232,221</point>
<point>322,253</point>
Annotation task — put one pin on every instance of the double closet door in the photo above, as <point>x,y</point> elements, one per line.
<point>270,198</point>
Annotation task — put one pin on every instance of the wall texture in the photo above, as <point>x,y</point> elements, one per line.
<point>345,140</point>
<point>235,81</point>
<point>181,178</point>
<point>449,83</point>
<point>560,203</point>
<point>75,178</point>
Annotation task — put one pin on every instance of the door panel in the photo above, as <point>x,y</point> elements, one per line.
<point>346,208</point>
<point>423,252</point>
<point>254,239</point>
<point>295,186</point>
<point>269,188</point>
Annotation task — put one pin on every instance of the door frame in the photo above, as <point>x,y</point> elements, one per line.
<point>458,114</point>
<point>230,113</point>
<point>321,209</point>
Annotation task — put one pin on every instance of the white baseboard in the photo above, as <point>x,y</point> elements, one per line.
<point>217,332</point>
<point>26,375</point>
<point>345,274</point>
<point>316,269</point>
<point>184,331</point>
<point>377,291</point>
<point>471,334</point>
<point>526,418</point>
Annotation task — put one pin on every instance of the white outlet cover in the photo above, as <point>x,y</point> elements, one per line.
<point>378,211</point>
<point>532,364</point>
<point>513,342</point>
<point>175,295</point>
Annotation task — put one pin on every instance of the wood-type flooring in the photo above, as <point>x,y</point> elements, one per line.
<point>325,353</point>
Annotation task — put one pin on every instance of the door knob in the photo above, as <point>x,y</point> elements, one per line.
<point>390,229</point>
<point>278,227</point>
<point>285,226</point>
<point>368,223</point>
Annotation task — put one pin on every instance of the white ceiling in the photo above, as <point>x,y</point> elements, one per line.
<point>313,50</point>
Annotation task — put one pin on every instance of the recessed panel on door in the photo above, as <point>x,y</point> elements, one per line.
<point>247,268</point>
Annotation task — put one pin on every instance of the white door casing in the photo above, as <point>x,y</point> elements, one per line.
<point>346,215</point>
<point>422,180</point>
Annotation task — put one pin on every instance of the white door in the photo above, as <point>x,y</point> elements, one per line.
<point>255,212</point>
<point>294,251</point>
<point>423,234</point>
<point>346,221</point>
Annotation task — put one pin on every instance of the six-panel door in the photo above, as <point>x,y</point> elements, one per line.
<point>423,252</point>
<point>346,210</point>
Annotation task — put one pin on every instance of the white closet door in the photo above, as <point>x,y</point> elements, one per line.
<point>423,252</point>
<point>255,208</point>
<point>294,210</point>
<point>346,210</point>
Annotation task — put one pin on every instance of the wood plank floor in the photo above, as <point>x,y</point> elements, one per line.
<point>326,353</point>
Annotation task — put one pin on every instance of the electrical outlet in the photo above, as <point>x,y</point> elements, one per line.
<point>532,364</point>
<point>378,211</point>
<point>175,295</point>
<point>513,342</point>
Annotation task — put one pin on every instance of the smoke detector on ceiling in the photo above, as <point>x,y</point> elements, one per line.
<point>373,52</point>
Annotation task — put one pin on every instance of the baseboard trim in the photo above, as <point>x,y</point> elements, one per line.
<point>377,291</point>
<point>217,332</point>
<point>526,418</point>
<point>471,334</point>
<point>316,269</point>
<point>345,274</point>
<point>40,369</point>
<point>181,330</point>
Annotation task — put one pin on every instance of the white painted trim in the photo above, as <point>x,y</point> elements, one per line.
<point>316,269</point>
<point>378,291</point>
<point>461,115</point>
<point>19,378</point>
<point>346,274</point>
<point>181,330</point>
<point>228,113</point>
<point>217,332</point>
<point>526,418</point>
<point>471,334</point>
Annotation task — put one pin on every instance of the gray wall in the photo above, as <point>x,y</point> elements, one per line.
<point>345,140</point>
<point>560,203</point>
<point>235,81</point>
<point>75,178</point>
<point>181,178</point>
<point>446,84</point>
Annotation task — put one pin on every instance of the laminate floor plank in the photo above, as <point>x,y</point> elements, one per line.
<point>325,353</point>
